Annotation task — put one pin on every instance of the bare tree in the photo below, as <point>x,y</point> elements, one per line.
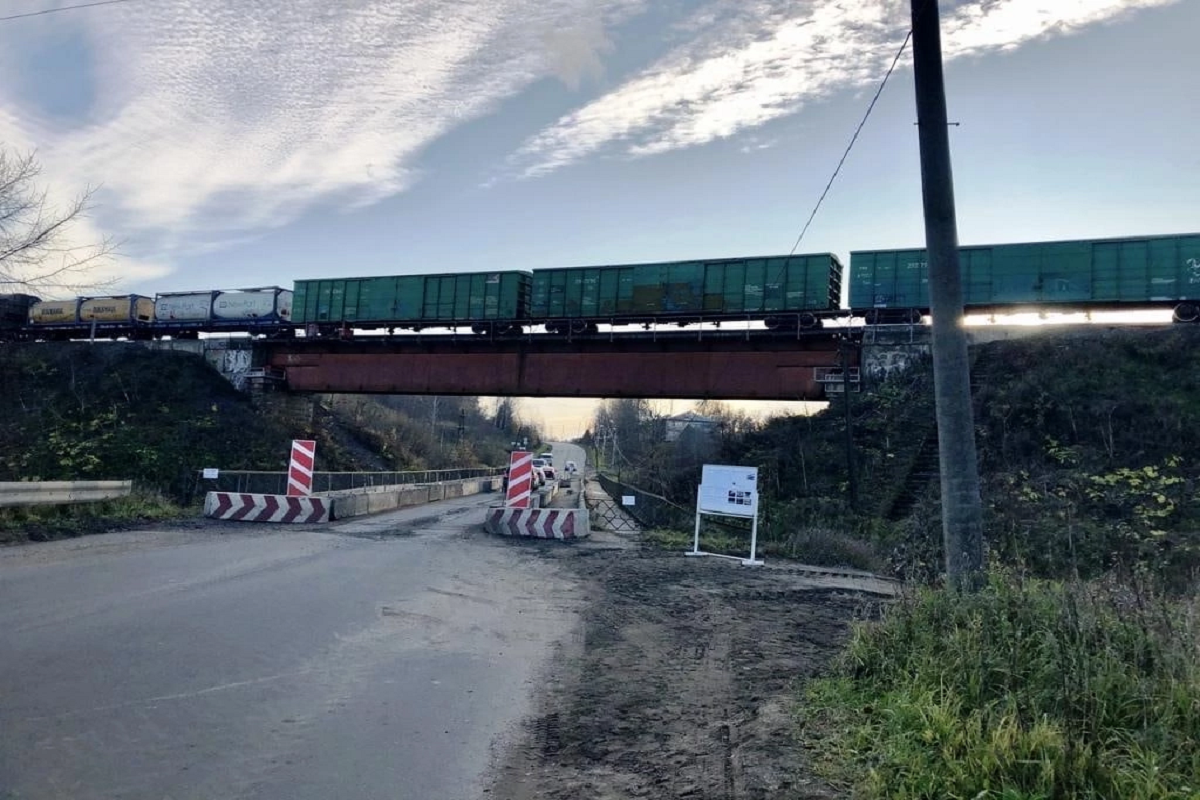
<point>37,253</point>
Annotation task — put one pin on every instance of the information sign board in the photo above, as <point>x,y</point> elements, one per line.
<point>731,491</point>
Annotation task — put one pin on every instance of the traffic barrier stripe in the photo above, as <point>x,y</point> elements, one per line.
<point>266,507</point>
<point>300,468</point>
<point>520,479</point>
<point>538,523</point>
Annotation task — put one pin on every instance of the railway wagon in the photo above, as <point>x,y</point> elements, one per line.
<point>184,315</point>
<point>485,301</point>
<point>1135,273</point>
<point>782,290</point>
<point>130,316</point>
<point>14,315</point>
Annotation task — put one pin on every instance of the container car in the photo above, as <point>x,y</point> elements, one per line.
<point>266,310</point>
<point>1137,273</point>
<point>14,315</point>
<point>130,316</point>
<point>782,290</point>
<point>484,301</point>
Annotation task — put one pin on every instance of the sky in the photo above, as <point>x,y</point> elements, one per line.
<point>244,143</point>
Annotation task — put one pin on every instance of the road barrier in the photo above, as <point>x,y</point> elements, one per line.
<point>266,508</point>
<point>537,523</point>
<point>255,507</point>
<point>45,493</point>
<point>386,498</point>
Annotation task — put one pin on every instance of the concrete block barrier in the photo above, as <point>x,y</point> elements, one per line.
<point>266,507</point>
<point>388,498</point>
<point>537,523</point>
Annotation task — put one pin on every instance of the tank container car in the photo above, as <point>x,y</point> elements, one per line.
<point>130,316</point>
<point>1142,273</point>
<point>14,315</point>
<point>779,289</point>
<point>484,301</point>
<point>54,312</point>
<point>262,310</point>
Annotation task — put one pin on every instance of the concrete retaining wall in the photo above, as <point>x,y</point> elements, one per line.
<point>387,498</point>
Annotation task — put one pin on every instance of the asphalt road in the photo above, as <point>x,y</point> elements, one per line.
<point>564,452</point>
<point>389,657</point>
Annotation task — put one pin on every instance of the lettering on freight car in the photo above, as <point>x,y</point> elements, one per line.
<point>917,264</point>
<point>103,309</point>
<point>53,312</point>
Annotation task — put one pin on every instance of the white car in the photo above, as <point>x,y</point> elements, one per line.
<point>545,466</point>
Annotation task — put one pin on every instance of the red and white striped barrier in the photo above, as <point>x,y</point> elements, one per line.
<point>266,507</point>
<point>538,523</point>
<point>520,479</point>
<point>300,470</point>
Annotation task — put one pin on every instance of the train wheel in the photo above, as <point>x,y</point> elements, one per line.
<point>808,320</point>
<point>1186,312</point>
<point>872,317</point>
<point>578,326</point>
<point>773,323</point>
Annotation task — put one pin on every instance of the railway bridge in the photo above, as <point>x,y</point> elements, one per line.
<point>733,365</point>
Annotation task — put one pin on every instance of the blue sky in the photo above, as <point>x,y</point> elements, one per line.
<point>243,142</point>
<point>246,143</point>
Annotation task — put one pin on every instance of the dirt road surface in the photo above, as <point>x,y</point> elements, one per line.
<point>682,682</point>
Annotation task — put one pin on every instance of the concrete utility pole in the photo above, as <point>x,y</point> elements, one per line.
<point>962,513</point>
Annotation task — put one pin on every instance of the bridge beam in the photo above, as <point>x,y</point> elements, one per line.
<point>678,367</point>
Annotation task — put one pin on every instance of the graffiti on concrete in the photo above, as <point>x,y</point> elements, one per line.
<point>882,362</point>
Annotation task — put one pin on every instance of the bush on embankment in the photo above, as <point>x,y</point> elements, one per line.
<point>1027,689</point>
<point>46,523</point>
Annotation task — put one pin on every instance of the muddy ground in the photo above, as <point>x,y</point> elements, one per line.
<point>683,679</point>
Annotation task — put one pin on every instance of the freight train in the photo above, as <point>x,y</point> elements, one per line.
<point>794,292</point>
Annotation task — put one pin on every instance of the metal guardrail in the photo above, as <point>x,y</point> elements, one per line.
<point>253,482</point>
<point>47,493</point>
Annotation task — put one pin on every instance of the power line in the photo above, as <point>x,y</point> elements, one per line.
<point>853,139</point>
<point>62,8</point>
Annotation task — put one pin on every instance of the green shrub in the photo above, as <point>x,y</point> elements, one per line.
<point>1028,689</point>
<point>44,523</point>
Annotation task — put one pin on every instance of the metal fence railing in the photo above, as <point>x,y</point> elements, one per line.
<point>252,482</point>
<point>651,510</point>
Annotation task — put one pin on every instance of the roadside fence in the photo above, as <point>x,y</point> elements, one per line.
<point>255,482</point>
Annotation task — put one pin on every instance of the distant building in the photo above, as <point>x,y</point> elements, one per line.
<point>696,423</point>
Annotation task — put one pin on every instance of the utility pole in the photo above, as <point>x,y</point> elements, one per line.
<point>962,514</point>
<point>852,473</point>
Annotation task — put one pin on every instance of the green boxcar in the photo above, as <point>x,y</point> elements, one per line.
<point>1143,272</point>
<point>712,289</point>
<point>413,300</point>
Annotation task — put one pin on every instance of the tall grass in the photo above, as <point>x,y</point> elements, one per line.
<point>1028,689</point>
<point>44,523</point>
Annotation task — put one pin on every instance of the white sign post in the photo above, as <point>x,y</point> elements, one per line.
<point>726,491</point>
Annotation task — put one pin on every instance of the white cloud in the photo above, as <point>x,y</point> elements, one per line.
<point>751,63</point>
<point>218,117</point>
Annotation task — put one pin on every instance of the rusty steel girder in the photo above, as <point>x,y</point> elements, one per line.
<point>736,368</point>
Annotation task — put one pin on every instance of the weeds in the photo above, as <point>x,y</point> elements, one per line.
<point>45,523</point>
<point>1028,689</point>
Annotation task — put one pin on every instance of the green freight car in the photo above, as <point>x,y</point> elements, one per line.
<point>1142,273</point>
<point>782,290</point>
<point>484,301</point>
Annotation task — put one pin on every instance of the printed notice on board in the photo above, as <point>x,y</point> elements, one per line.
<point>731,491</point>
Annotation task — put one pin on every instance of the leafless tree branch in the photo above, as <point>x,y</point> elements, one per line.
<point>37,254</point>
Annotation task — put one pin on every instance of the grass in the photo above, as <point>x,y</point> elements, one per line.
<point>45,523</point>
<point>1027,690</point>
<point>813,546</point>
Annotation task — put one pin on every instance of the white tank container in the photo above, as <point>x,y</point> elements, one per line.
<point>253,305</point>
<point>183,307</point>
